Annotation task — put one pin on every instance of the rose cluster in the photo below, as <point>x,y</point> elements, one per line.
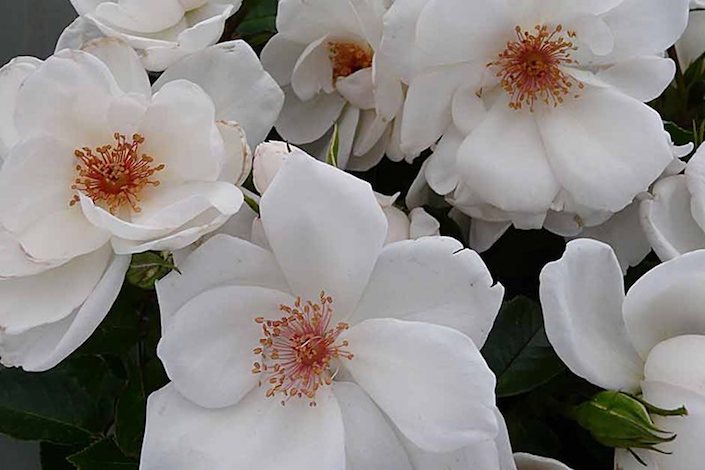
<point>309,322</point>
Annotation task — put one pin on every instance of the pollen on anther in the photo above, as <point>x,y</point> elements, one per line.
<point>349,57</point>
<point>115,175</point>
<point>530,69</point>
<point>296,356</point>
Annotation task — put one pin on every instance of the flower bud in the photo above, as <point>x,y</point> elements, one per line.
<point>619,420</point>
<point>269,158</point>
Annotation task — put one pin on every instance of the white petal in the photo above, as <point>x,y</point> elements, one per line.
<point>433,280</point>
<point>178,125</point>
<point>42,347</point>
<point>692,44</point>
<point>668,221</point>
<point>254,434</point>
<point>695,179</point>
<point>474,28</point>
<point>14,261</point>
<point>468,109</point>
<point>643,27</point>
<point>677,361</point>
<point>604,147</point>
<point>35,181</point>
<point>483,235</point>
<point>175,205</point>
<point>233,77</point>
<point>123,63</point>
<point>67,97</point>
<point>279,57</point>
<point>423,224</point>
<point>399,34</point>
<point>666,302</point>
<point>12,76</point>
<point>238,156</point>
<point>78,33</point>
<point>302,122</point>
<point>430,380</point>
<point>504,161</point>
<point>306,21</point>
<point>221,261</point>
<point>52,295</point>
<point>686,451</point>
<point>442,168</point>
<point>398,225</point>
<point>623,232</point>
<point>207,345</point>
<point>85,6</point>
<point>205,26</point>
<point>534,462</point>
<point>623,460</point>
<point>358,88</point>
<point>428,105</point>
<point>581,296</point>
<point>642,78</point>
<point>187,234</point>
<point>313,72</point>
<point>325,228</point>
<point>139,16</point>
<point>370,441</point>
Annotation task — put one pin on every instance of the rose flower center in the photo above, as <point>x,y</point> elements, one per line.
<point>296,351</point>
<point>115,175</point>
<point>530,67</point>
<point>348,58</point>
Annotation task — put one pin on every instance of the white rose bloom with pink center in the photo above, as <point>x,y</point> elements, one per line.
<point>325,58</point>
<point>97,162</point>
<point>538,105</point>
<point>327,351</point>
<point>161,31</point>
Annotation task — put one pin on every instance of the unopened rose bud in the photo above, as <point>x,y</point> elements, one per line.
<point>269,158</point>
<point>619,420</point>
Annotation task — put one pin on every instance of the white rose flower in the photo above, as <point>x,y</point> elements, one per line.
<point>162,31</point>
<point>97,156</point>
<point>540,104</point>
<point>325,349</point>
<point>58,274</point>
<point>674,216</point>
<point>325,58</point>
<point>650,341</point>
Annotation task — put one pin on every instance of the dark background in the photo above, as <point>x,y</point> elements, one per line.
<point>29,27</point>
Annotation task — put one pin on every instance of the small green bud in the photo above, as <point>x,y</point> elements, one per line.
<point>619,420</point>
<point>147,268</point>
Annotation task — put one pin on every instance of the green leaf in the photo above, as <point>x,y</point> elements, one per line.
<point>53,457</point>
<point>517,350</point>
<point>130,412</point>
<point>679,135</point>
<point>103,455</point>
<point>70,404</point>
<point>260,18</point>
<point>120,330</point>
<point>147,268</point>
<point>252,203</point>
